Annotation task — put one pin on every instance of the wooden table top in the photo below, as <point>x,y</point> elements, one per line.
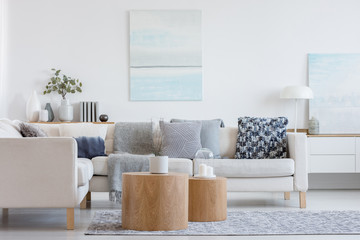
<point>155,174</point>
<point>207,179</point>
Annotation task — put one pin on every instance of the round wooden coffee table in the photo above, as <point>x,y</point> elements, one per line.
<point>154,202</point>
<point>207,199</point>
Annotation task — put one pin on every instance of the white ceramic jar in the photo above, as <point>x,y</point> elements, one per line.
<point>159,164</point>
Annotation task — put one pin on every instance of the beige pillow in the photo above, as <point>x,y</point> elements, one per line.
<point>83,129</point>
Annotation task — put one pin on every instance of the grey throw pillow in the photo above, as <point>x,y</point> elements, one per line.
<point>260,138</point>
<point>180,140</point>
<point>133,138</point>
<point>30,130</point>
<point>209,134</point>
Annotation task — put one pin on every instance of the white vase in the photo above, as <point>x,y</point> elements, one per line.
<point>159,164</point>
<point>33,108</point>
<point>66,112</point>
<point>44,115</point>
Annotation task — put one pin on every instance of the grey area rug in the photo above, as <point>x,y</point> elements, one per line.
<point>245,223</point>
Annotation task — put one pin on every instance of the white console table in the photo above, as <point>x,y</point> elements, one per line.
<point>334,153</point>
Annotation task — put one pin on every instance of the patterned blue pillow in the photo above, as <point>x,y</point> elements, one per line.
<point>260,138</point>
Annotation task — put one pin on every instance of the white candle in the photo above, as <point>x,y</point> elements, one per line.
<point>202,170</point>
<point>209,171</point>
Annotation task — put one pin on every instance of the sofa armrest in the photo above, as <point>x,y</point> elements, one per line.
<point>38,172</point>
<point>297,145</point>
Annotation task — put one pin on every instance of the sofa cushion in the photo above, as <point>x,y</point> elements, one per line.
<point>261,138</point>
<point>109,140</point>
<point>182,165</point>
<point>228,138</point>
<point>52,130</point>
<point>85,171</point>
<point>100,166</point>
<point>209,134</point>
<point>248,167</point>
<point>83,129</point>
<point>181,139</point>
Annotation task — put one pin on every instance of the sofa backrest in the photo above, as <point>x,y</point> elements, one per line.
<point>53,130</point>
<point>227,138</point>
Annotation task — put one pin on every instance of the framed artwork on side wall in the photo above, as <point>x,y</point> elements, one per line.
<point>335,81</point>
<point>165,55</point>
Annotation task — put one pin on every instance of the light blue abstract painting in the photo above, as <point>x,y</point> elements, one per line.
<point>165,55</point>
<point>335,81</point>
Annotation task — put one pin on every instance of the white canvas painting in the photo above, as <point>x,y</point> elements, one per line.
<point>165,55</point>
<point>335,81</point>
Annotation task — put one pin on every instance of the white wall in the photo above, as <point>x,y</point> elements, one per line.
<point>251,50</point>
<point>3,104</point>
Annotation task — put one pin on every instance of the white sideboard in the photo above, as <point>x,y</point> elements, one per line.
<point>334,153</point>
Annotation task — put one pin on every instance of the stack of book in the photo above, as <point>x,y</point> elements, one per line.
<point>89,111</point>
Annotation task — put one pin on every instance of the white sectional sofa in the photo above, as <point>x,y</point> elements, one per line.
<point>274,175</point>
<point>46,173</point>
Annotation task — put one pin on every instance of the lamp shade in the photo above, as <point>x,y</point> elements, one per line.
<point>297,92</point>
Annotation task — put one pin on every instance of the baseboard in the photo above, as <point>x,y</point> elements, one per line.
<point>334,180</point>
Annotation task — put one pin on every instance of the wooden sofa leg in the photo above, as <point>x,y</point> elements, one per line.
<point>70,218</point>
<point>302,198</point>
<point>88,196</point>
<point>5,212</point>
<point>83,203</point>
<point>286,195</point>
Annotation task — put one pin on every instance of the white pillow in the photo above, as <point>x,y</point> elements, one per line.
<point>83,129</point>
<point>9,129</point>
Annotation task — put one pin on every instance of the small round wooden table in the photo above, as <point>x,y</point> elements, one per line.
<point>207,199</point>
<point>154,202</point>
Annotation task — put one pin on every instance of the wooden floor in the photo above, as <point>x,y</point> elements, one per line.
<point>41,224</point>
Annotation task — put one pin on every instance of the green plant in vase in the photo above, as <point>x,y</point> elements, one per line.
<point>62,84</point>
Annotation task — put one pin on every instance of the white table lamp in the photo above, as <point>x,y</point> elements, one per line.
<point>296,92</point>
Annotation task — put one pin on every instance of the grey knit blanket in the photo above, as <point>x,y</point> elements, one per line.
<point>121,163</point>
